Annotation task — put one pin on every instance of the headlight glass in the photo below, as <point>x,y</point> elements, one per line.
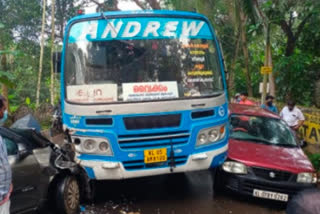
<point>234,167</point>
<point>214,135</point>
<point>88,145</point>
<point>307,177</point>
<point>211,135</point>
<point>202,138</point>
<point>103,146</point>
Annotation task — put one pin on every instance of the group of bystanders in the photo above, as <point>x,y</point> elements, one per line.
<point>291,114</point>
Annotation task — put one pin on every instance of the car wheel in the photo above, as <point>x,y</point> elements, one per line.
<point>68,195</point>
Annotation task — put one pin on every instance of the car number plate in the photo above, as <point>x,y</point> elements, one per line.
<point>155,155</point>
<point>270,195</point>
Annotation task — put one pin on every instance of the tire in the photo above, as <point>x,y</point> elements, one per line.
<point>67,196</point>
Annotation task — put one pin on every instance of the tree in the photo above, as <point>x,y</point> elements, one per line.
<point>52,50</point>
<point>66,9</point>
<point>254,8</point>
<point>107,5</point>
<point>41,52</point>
<point>243,19</point>
<point>148,4</point>
<point>293,17</point>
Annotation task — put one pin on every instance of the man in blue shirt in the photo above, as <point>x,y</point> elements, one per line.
<point>269,105</point>
<point>5,168</point>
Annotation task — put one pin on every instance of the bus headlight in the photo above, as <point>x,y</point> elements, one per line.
<point>307,177</point>
<point>103,146</point>
<point>202,138</point>
<point>89,145</point>
<point>234,167</point>
<point>99,146</point>
<point>211,135</point>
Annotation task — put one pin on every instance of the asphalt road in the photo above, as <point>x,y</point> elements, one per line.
<point>174,194</point>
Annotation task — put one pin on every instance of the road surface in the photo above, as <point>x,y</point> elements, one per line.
<point>174,194</point>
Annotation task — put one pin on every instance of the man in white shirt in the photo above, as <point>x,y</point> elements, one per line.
<point>292,115</point>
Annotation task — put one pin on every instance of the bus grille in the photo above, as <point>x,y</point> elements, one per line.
<point>139,164</point>
<point>152,122</point>
<point>153,141</point>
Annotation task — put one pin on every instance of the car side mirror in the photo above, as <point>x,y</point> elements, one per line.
<point>23,152</point>
<point>56,61</point>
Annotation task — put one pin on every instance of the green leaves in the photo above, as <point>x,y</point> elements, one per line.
<point>12,52</point>
<point>7,78</point>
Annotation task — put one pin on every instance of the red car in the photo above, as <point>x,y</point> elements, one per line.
<point>265,159</point>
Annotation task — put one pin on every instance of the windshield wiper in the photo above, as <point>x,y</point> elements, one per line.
<point>216,94</point>
<point>286,145</point>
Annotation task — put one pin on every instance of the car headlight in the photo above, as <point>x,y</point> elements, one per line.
<point>86,145</point>
<point>307,177</point>
<point>234,167</point>
<point>211,135</point>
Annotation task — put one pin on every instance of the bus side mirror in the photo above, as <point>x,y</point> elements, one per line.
<point>56,59</point>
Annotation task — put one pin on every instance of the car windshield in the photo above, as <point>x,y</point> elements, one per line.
<point>141,69</point>
<point>262,130</point>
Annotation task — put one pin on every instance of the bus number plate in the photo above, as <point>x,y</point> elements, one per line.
<point>155,155</point>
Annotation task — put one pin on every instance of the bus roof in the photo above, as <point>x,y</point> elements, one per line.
<point>131,13</point>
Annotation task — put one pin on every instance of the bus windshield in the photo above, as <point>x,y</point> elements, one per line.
<point>112,62</point>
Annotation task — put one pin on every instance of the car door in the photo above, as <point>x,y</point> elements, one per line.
<point>25,176</point>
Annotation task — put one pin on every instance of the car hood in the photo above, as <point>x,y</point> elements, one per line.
<point>267,156</point>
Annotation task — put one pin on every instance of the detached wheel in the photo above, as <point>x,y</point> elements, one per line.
<point>67,195</point>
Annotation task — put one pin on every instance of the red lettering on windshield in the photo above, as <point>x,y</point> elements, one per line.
<point>149,88</point>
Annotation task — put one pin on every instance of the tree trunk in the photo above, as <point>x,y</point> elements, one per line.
<point>231,85</point>
<point>245,53</point>
<point>41,53</point>
<point>268,56</point>
<point>52,51</point>
<point>154,4</point>
<point>61,23</point>
<point>5,95</point>
<point>317,94</point>
<point>272,83</point>
<point>4,91</point>
<point>291,44</point>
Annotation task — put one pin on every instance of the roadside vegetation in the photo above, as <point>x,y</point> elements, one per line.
<point>315,159</point>
<point>30,84</point>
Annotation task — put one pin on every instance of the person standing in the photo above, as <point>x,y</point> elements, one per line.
<point>5,168</point>
<point>236,98</point>
<point>244,99</point>
<point>292,115</point>
<point>269,105</point>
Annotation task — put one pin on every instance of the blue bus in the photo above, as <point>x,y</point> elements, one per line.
<point>143,93</point>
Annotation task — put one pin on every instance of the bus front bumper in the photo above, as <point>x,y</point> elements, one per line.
<point>107,170</point>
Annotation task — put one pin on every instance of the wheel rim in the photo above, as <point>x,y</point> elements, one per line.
<point>73,195</point>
